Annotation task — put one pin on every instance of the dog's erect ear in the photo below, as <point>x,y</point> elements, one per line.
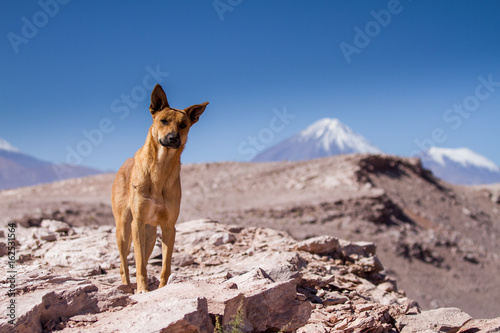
<point>194,112</point>
<point>158,100</point>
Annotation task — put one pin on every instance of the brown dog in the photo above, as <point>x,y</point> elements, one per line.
<point>147,189</point>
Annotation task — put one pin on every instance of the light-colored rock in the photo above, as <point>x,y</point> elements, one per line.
<point>313,328</point>
<point>86,269</point>
<point>334,298</point>
<point>362,324</point>
<point>182,259</point>
<point>73,252</point>
<point>356,250</point>
<point>319,245</point>
<point>437,320</point>
<point>86,318</point>
<point>368,247</point>
<point>221,238</point>
<point>55,226</point>
<point>156,254</point>
<point>278,265</point>
<point>199,233</point>
<point>151,314</point>
<point>312,280</point>
<point>41,310</point>
<point>44,235</point>
<point>383,297</point>
<point>364,307</point>
<point>481,326</point>
<point>367,265</point>
<point>495,197</point>
<point>388,286</point>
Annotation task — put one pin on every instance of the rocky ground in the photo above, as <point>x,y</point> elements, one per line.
<point>438,241</point>
<point>259,279</point>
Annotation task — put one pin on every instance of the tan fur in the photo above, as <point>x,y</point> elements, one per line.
<point>147,189</point>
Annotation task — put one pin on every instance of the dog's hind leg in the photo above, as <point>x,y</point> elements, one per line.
<point>124,239</point>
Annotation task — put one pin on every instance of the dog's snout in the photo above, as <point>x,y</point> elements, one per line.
<point>171,140</point>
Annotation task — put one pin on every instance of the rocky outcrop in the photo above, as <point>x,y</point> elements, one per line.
<point>43,309</point>
<point>256,279</point>
<point>439,320</point>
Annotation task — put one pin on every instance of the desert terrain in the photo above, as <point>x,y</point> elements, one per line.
<point>436,241</point>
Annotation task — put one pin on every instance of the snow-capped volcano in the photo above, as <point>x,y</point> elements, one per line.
<point>460,166</point>
<point>326,137</point>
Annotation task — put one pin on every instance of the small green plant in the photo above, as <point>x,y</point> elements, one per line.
<point>285,328</point>
<point>218,326</point>
<point>235,325</point>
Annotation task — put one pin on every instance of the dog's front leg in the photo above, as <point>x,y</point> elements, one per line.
<point>139,240</point>
<point>167,247</point>
<point>139,209</point>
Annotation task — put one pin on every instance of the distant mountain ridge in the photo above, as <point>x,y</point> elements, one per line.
<point>460,166</point>
<point>18,169</point>
<point>326,137</point>
<point>330,137</point>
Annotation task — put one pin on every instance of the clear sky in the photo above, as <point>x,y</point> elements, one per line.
<point>76,76</point>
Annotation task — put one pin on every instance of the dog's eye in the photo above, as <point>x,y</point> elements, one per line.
<point>164,121</point>
<point>182,125</point>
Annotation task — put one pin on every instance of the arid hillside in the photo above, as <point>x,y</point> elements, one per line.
<point>438,241</point>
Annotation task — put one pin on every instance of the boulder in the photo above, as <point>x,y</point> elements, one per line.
<point>278,265</point>
<point>366,266</point>
<point>55,226</point>
<point>221,238</point>
<point>266,305</point>
<point>42,310</point>
<point>448,320</point>
<point>313,328</point>
<point>151,313</point>
<point>182,259</point>
<point>334,298</point>
<point>481,326</point>
<point>319,245</point>
<point>356,250</point>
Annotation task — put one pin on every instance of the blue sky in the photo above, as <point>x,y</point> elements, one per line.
<point>76,75</point>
